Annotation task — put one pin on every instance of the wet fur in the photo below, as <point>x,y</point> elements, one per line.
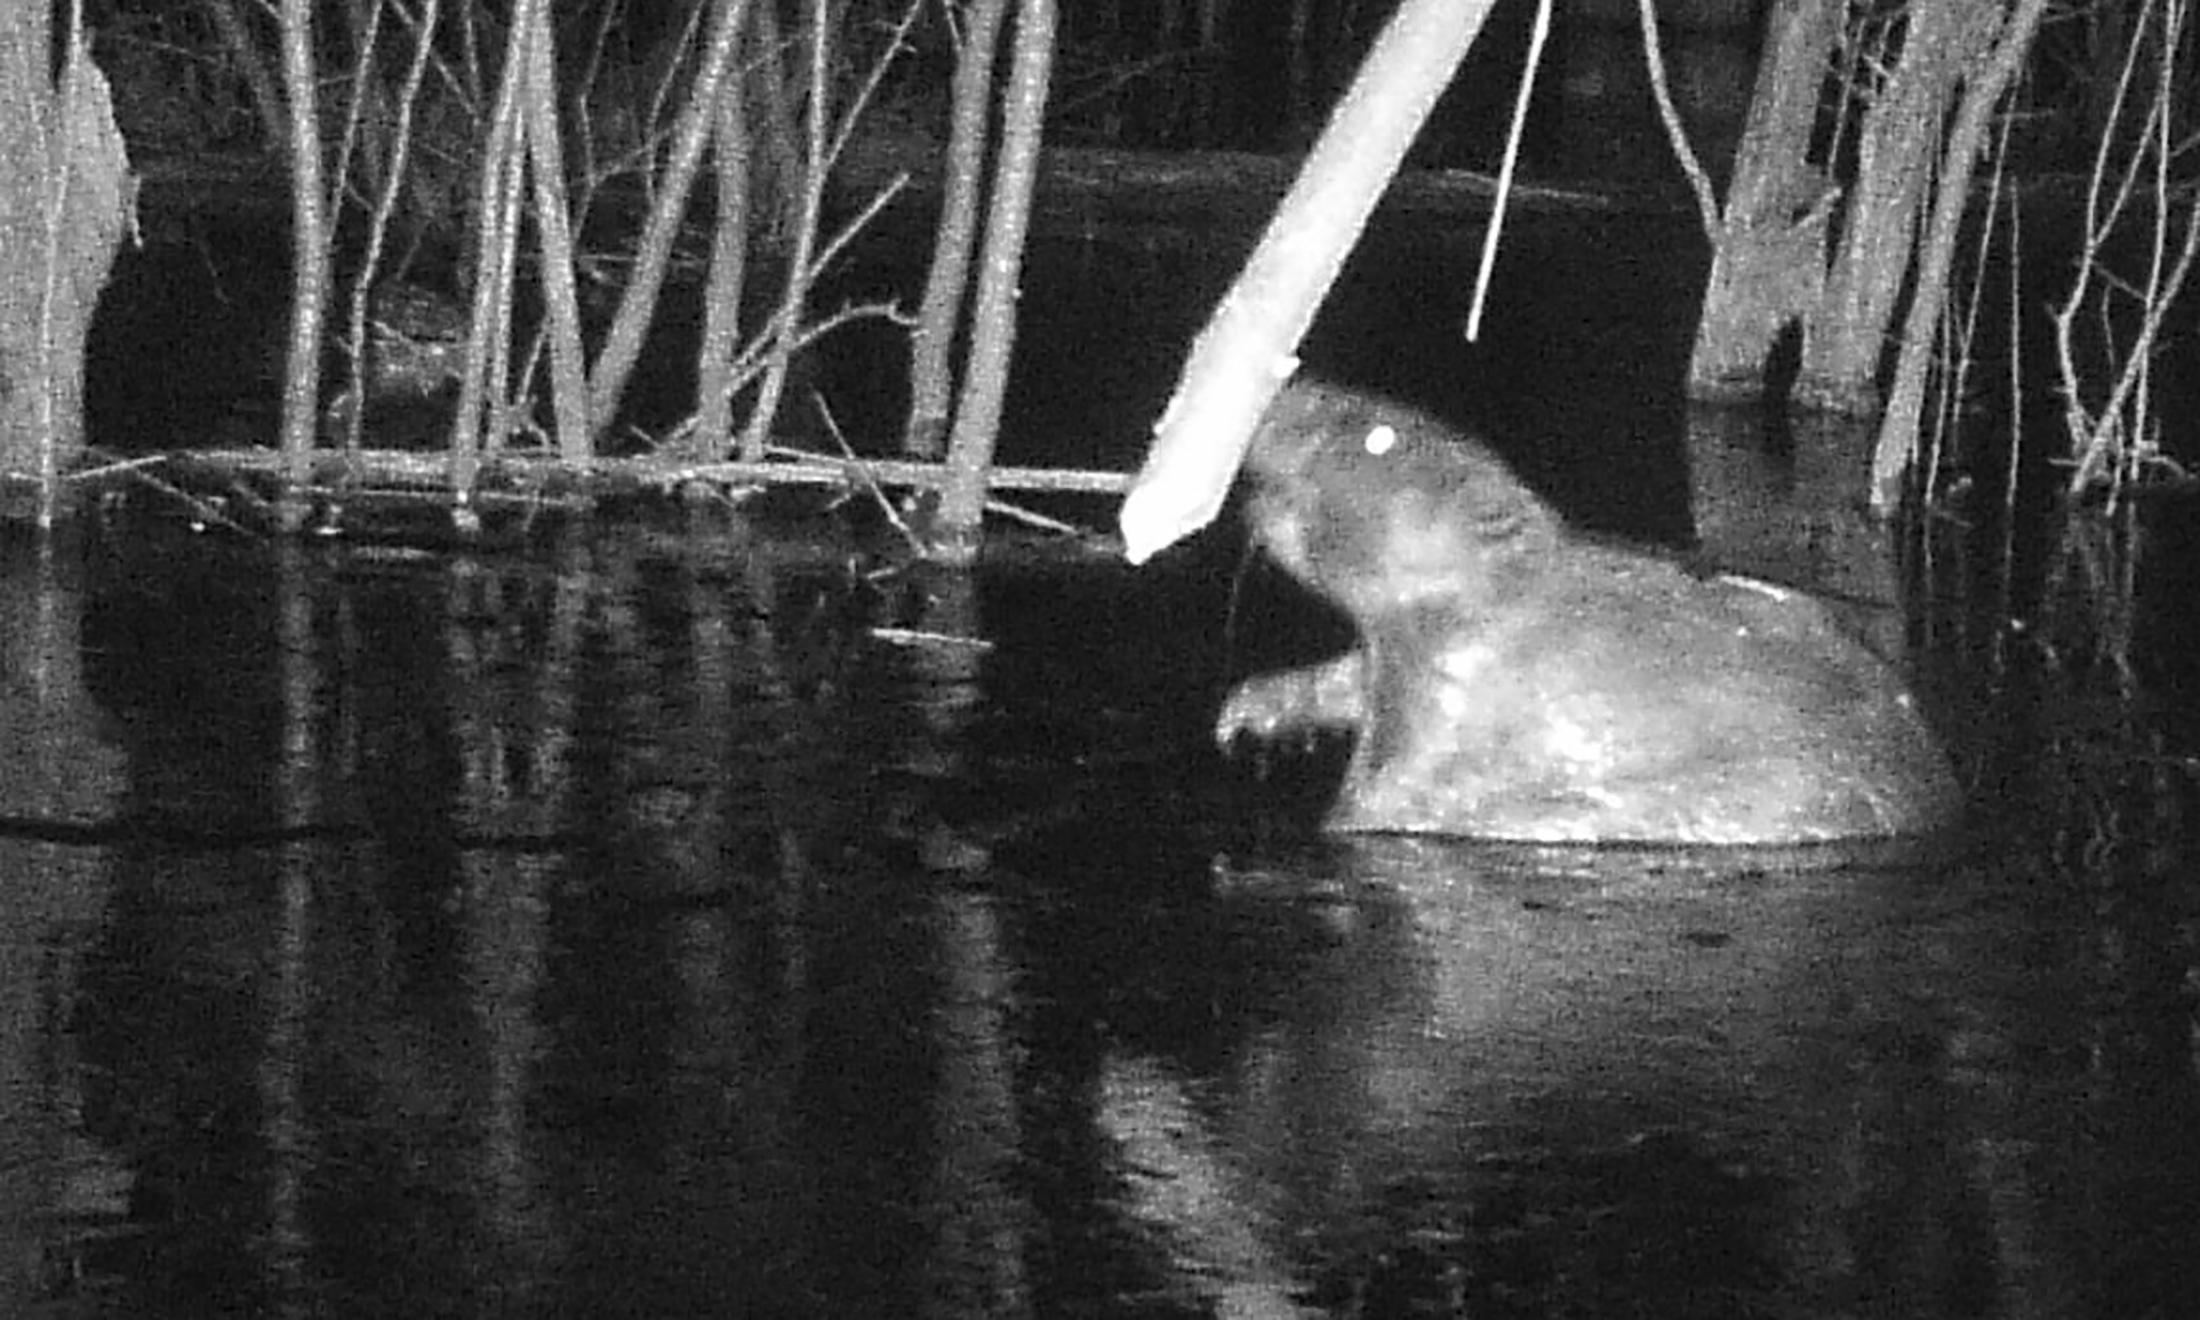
<point>1517,680</point>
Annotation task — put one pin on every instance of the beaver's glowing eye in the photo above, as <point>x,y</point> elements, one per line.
<point>1381,440</point>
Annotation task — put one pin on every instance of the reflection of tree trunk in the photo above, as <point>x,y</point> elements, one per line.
<point>53,907</point>
<point>286,1119</point>
<point>1851,554</point>
<point>1800,518</point>
<point>984,1228</point>
<point>57,765</point>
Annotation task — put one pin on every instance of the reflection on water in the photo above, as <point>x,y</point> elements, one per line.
<point>1642,1083</point>
<point>632,926</point>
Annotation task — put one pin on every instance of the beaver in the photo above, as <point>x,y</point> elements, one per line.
<point>1516,679</point>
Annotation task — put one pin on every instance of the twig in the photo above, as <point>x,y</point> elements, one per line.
<point>1536,38</point>
<point>427,471</point>
<point>1699,182</point>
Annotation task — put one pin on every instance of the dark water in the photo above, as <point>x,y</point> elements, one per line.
<point>662,919</point>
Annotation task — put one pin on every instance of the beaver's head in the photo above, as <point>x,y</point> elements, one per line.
<point>1383,508</point>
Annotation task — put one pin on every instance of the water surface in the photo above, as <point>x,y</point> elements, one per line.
<point>665,917</point>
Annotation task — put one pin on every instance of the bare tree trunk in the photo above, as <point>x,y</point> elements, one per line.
<point>1983,91</point>
<point>1844,335</point>
<point>1768,256</point>
<point>732,151</point>
<point>825,135</point>
<point>553,228</point>
<point>244,54</point>
<point>496,230</point>
<point>932,342</point>
<point>64,200</point>
<point>985,384</point>
<point>1771,267</point>
<point>354,397</point>
<point>623,345</point>
<point>772,126</point>
<point>808,190</point>
<point>309,261</point>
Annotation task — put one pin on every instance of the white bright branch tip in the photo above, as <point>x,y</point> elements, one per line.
<point>1198,444</point>
<point>1244,353</point>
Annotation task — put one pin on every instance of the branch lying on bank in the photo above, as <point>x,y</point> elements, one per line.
<point>515,473</point>
<point>535,481</point>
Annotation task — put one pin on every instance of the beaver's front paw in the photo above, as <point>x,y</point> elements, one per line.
<point>1327,696</point>
<point>1260,708</point>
